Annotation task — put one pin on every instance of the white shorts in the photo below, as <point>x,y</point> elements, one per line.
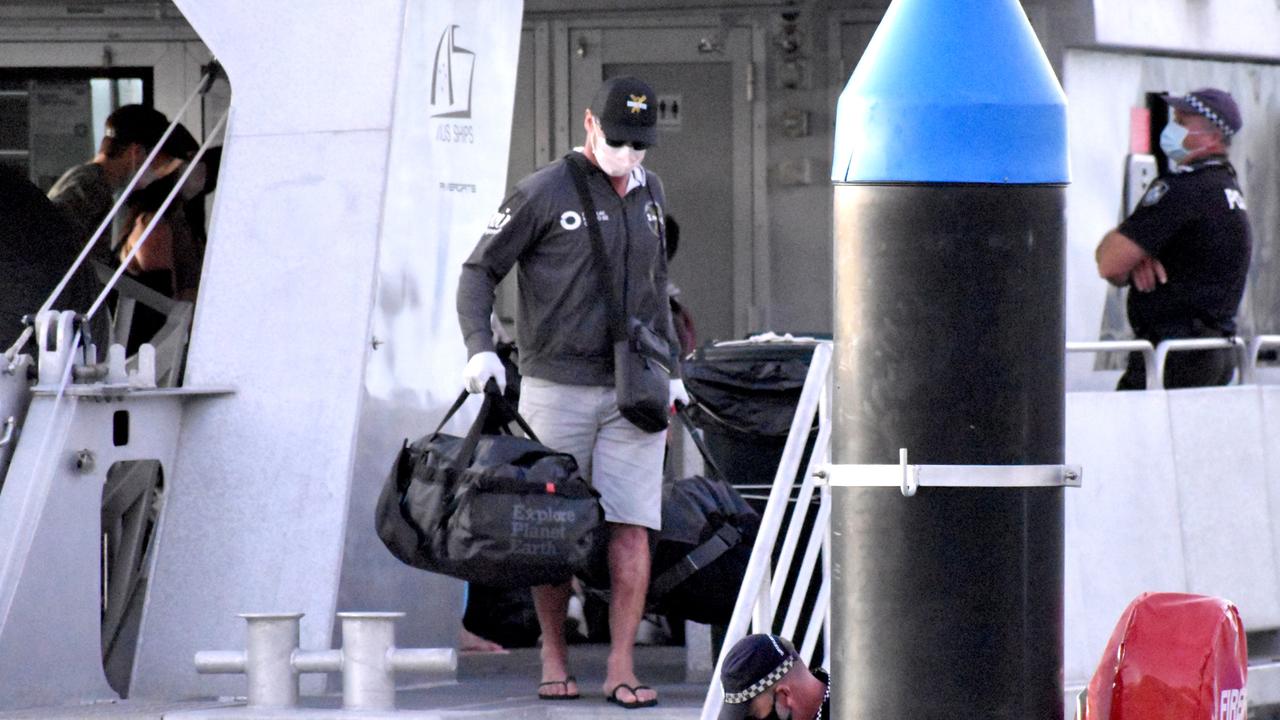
<point>622,462</point>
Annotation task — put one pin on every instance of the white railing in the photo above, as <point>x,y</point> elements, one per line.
<point>1156,357</point>
<point>1249,369</point>
<point>762,590</point>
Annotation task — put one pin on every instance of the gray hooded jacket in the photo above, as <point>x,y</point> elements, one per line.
<point>562,322</point>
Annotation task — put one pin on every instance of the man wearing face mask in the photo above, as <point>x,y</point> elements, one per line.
<point>764,678</point>
<point>85,193</point>
<point>566,358</point>
<point>1184,252</point>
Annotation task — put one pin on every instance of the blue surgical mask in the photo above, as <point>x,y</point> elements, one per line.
<point>1171,142</point>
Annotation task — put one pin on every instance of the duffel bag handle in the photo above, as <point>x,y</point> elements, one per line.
<point>491,396</point>
<point>472,438</point>
<point>682,412</point>
<point>491,391</point>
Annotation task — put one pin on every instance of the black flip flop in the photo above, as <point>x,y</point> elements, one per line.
<point>635,693</point>
<point>565,682</point>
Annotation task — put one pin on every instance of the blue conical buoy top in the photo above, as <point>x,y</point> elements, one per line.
<point>952,91</point>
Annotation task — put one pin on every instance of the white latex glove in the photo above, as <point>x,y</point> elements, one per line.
<point>678,394</point>
<point>480,368</point>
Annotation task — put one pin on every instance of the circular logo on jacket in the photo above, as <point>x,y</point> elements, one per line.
<point>653,216</point>
<point>570,220</point>
<point>1154,193</point>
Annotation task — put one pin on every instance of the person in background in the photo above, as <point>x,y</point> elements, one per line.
<point>37,246</point>
<point>86,192</point>
<point>170,260</point>
<point>1184,252</point>
<point>680,317</point>
<point>764,678</point>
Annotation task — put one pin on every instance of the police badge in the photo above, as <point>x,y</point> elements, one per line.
<point>1154,193</point>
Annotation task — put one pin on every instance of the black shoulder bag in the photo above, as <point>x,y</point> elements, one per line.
<point>641,356</point>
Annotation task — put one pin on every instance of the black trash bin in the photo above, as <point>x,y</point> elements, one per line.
<point>745,397</point>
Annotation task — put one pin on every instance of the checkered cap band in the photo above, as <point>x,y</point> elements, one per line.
<point>762,684</point>
<point>1209,114</point>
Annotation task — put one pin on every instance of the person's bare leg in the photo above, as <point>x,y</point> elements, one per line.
<point>552,604</point>
<point>629,579</point>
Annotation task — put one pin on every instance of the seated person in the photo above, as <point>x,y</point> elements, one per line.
<point>170,259</point>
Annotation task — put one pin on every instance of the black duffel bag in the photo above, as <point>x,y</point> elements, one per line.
<point>700,556</point>
<point>492,509</point>
<point>702,553</point>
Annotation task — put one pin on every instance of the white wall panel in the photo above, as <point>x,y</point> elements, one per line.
<point>1122,534</point>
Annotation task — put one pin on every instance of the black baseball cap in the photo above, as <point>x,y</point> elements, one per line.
<point>139,124</point>
<point>181,143</point>
<point>754,664</point>
<point>627,110</point>
<point>1216,105</point>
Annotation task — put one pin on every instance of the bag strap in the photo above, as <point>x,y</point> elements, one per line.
<point>708,552</point>
<point>404,468</point>
<point>617,323</point>
<point>491,390</point>
<point>682,412</point>
<point>457,404</point>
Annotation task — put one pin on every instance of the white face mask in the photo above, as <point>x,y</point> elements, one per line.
<point>615,161</point>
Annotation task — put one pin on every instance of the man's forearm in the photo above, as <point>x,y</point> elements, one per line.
<point>475,305</point>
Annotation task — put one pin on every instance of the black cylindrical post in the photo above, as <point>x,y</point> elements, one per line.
<point>950,170</point>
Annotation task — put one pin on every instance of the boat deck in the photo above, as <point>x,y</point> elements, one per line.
<point>489,686</point>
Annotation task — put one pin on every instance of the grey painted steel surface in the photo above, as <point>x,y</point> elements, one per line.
<point>345,346</point>
<point>949,342</point>
<point>15,395</point>
<point>455,155</point>
<point>50,535</point>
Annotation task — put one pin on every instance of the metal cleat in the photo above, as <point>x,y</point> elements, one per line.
<point>368,660</point>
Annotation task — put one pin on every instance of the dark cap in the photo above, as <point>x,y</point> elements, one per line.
<point>136,124</point>
<point>180,144</point>
<point>754,664</point>
<point>1216,105</point>
<point>627,110</point>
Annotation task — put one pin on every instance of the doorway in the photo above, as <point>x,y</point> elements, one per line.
<point>702,78</point>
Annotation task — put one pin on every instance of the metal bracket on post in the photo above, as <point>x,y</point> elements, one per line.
<point>910,478</point>
<point>368,660</point>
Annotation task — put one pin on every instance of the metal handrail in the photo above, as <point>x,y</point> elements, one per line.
<point>1147,349</point>
<point>1155,358</point>
<point>754,604</point>
<point>1190,344</point>
<point>1249,369</point>
<point>206,82</point>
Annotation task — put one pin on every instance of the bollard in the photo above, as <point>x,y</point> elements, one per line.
<point>368,660</point>
<point>950,169</point>
<point>267,659</point>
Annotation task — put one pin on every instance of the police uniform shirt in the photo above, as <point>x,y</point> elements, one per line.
<point>1194,222</point>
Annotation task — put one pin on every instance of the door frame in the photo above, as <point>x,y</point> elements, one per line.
<point>581,47</point>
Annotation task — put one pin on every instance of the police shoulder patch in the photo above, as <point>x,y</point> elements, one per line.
<point>1154,193</point>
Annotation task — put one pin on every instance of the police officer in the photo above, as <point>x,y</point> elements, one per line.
<point>764,678</point>
<point>563,332</point>
<point>1184,252</point>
